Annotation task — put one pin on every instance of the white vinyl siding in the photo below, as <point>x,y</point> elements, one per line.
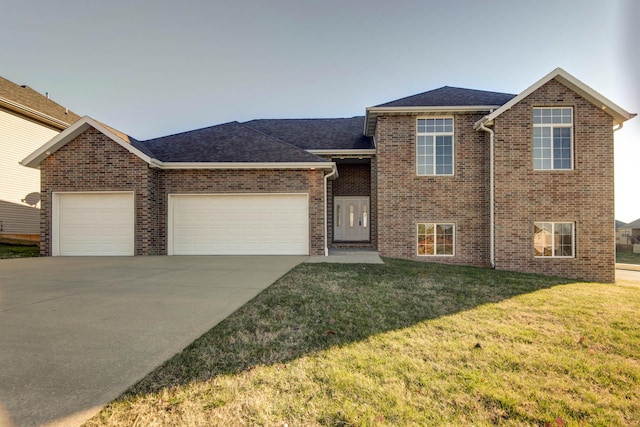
<point>19,138</point>
<point>93,224</point>
<point>238,224</point>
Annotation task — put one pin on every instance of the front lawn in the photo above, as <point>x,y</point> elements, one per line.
<point>627,258</point>
<point>18,251</point>
<point>405,343</point>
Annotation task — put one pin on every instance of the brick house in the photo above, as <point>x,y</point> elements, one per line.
<point>516,182</point>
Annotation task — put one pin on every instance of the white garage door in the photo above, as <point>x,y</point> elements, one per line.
<point>93,224</point>
<point>255,224</point>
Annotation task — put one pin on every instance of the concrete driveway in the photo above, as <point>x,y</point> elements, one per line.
<point>77,332</point>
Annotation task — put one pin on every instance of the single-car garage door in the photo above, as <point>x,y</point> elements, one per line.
<point>238,224</point>
<point>93,224</point>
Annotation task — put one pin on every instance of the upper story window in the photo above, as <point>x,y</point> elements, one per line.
<point>434,146</point>
<point>552,138</point>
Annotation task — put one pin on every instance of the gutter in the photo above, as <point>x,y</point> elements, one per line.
<point>51,121</point>
<point>492,239</point>
<point>333,172</point>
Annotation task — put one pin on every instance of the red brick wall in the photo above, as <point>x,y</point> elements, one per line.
<point>405,199</point>
<point>249,181</point>
<point>93,162</point>
<point>583,195</point>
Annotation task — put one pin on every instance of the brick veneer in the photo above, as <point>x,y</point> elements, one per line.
<point>354,180</point>
<point>405,199</point>
<point>583,195</point>
<point>93,162</point>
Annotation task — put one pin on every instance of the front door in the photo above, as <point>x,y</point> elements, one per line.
<point>351,219</point>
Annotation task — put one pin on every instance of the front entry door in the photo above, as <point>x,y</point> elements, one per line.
<point>351,219</point>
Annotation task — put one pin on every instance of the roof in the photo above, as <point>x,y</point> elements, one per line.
<point>633,224</point>
<point>620,224</point>
<point>317,134</point>
<point>229,142</point>
<point>451,96</point>
<point>618,114</point>
<point>444,100</point>
<point>28,102</point>
<point>227,146</point>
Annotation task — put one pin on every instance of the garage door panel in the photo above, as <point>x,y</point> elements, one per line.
<point>239,224</point>
<point>91,224</point>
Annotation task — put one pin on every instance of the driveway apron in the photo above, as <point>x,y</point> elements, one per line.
<point>77,332</point>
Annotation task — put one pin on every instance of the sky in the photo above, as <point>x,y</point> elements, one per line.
<point>152,68</point>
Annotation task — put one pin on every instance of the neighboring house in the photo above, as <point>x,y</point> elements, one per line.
<point>517,182</point>
<point>620,239</point>
<point>27,121</point>
<point>629,234</point>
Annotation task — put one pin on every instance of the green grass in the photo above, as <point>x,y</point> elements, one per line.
<point>18,251</point>
<point>627,258</point>
<point>405,343</point>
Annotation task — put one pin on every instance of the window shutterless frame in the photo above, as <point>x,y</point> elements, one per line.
<point>435,239</point>
<point>553,138</point>
<point>554,239</point>
<point>435,147</point>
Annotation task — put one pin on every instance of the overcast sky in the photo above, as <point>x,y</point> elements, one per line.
<point>155,67</point>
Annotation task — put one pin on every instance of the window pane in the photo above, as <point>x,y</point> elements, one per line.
<point>542,239</point>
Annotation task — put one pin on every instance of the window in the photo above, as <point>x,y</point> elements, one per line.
<point>552,138</point>
<point>553,239</point>
<point>436,239</point>
<point>434,147</point>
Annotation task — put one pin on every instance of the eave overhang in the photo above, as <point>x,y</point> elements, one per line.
<point>374,112</point>
<point>619,114</point>
<point>75,130</point>
<point>33,114</point>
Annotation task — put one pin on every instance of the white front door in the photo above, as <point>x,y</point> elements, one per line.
<point>351,221</point>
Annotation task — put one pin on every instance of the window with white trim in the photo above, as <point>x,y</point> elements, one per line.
<point>552,138</point>
<point>553,239</point>
<point>436,239</point>
<point>434,146</point>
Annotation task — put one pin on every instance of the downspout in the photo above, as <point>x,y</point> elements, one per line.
<point>618,128</point>
<point>334,170</point>
<point>492,243</point>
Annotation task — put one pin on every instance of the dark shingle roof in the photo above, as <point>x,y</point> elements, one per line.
<point>229,142</point>
<point>317,134</point>
<point>29,98</point>
<point>451,96</point>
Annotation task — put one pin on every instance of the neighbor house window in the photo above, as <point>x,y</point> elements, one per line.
<point>436,239</point>
<point>434,146</point>
<point>553,239</point>
<point>552,138</point>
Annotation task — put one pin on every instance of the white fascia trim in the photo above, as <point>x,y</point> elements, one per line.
<point>373,112</point>
<point>242,165</point>
<point>436,109</point>
<point>618,113</point>
<point>45,118</point>
<point>64,137</point>
<point>354,152</point>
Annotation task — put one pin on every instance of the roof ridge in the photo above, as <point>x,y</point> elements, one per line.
<point>281,141</point>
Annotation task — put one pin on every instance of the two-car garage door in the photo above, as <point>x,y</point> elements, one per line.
<point>238,224</point>
<point>99,223</point>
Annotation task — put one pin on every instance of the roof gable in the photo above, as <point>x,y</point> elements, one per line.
<point>633,224</point>
<point>618,114</point>
<point>451,96</point>
<point>317,134</point>
<point>229,142</point>
<point>26,101</point>
<point>67,135</point>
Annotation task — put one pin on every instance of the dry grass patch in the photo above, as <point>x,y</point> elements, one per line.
<point>405,343</point>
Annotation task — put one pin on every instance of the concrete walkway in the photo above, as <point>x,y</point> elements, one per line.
<point>348,256</point>
<point>77,332</point>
